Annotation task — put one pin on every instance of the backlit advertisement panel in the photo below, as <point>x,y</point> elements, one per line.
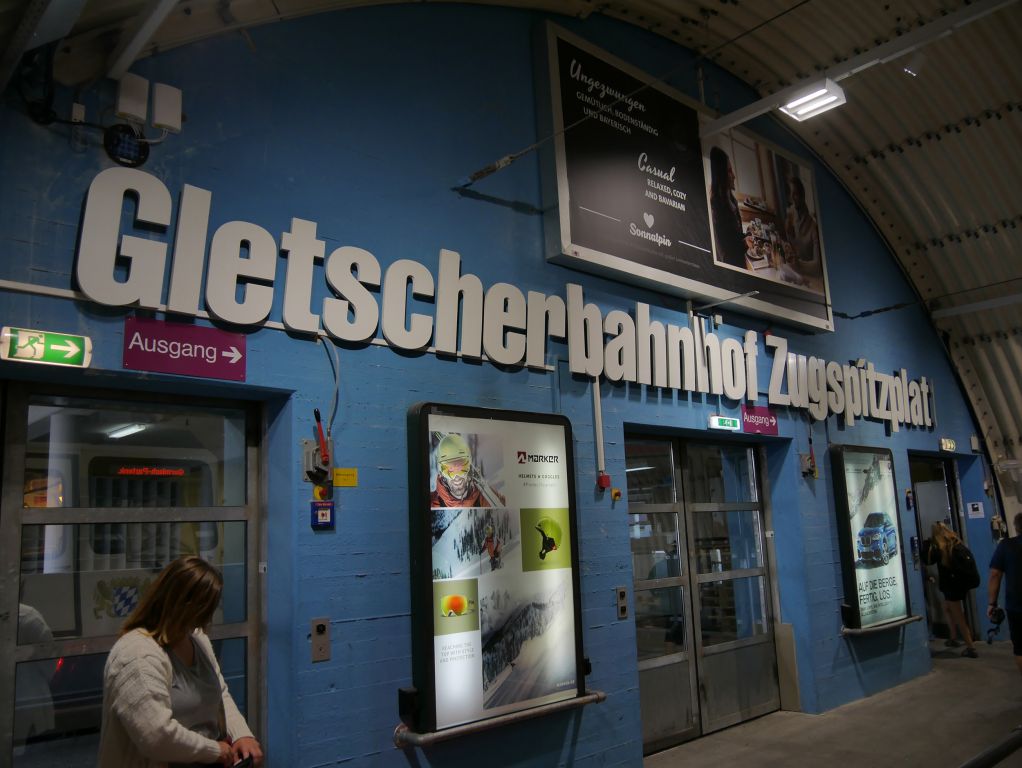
<point>494,563</point>
<point>870,533</point>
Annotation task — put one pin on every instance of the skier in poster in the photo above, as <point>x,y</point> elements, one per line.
<point>492,547</point>
<point>550,533</point>
<point>458,483</point>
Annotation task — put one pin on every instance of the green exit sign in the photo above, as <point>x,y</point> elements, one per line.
<point>25,345</point>
<point>725,422</point>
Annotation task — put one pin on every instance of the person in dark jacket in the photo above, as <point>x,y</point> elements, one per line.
<point>941,546</point>
<point>1006,566</point>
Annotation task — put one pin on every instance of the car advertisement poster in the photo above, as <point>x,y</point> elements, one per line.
<point>502,566</point>
<point>871,541</point>
<point>630,191</point>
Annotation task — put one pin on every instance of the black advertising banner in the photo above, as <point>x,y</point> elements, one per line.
<point>869,530</point>
<point>635,201</point>
<point>635,170</point>
<point>495,564</point>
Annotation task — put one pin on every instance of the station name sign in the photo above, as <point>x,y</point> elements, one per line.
<point>499,323</point>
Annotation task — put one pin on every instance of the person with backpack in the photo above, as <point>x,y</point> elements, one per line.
<point>956,575</point>
<point>1006,566</point>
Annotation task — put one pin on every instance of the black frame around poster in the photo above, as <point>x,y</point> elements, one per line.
<point>441,633</point>
<point>626,196</point>
<point>869,570</point>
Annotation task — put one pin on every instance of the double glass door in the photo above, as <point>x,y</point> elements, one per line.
<point>704,636</point>
<point>100,491</point>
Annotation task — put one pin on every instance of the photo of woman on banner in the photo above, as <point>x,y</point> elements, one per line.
<point>727,220</point>
<point>459,480</point>
<point>802,231</point>
<point>763,210</point>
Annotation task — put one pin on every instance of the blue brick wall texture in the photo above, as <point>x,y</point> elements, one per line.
<point>363,121</point>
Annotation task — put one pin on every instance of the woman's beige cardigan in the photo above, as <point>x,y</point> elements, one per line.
<point>139,730</point>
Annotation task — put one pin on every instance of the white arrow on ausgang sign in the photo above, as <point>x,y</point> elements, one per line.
<point>232,353</point>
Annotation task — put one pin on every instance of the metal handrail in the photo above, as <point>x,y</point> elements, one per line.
<point>404,737</point>
<point>995,754</point>
<point>851,632</point>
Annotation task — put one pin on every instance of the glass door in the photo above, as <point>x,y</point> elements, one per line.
<point>663,628</point>
<point>934,502</point>
<point>734,645</point>
<point>704,631</point>
<point>100,491</point>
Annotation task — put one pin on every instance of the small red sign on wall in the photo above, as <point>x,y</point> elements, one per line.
<point>187,350</point>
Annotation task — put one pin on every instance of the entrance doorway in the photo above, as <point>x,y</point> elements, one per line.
<point>704,629</point>
<point>933,488</point>
<point>100,490</point>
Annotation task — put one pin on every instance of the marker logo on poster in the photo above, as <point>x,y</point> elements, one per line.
<point>537,458</point>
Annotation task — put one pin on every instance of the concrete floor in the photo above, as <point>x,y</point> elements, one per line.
<point>961,708</point>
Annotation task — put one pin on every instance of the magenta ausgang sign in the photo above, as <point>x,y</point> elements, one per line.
<point>184,349</point>
<point>758,420</point>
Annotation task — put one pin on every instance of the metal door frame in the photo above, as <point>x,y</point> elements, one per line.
<point>682,582</point>
<point>690,509</point>
<point>691,578</point>
<point>956,506</point>
<point>13,516</point>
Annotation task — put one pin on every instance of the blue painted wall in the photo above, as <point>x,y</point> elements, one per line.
<point>363,121</point>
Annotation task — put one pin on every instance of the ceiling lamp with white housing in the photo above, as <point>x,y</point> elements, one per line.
<point>814,100</point>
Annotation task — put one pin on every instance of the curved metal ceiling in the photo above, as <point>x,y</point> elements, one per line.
<point>933,159</point>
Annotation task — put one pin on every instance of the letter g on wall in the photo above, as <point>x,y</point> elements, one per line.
<point>98,247</point>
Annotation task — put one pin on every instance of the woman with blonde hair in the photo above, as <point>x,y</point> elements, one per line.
<point>165,702</point>
<point>942,545</point>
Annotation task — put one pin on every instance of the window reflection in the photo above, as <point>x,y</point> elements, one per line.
<point>84,579</point>
<point>726,541</point>
<point>659,621</point>
<point>719,474</point>
<point>94,453</point>
<point>33,699</point>
<point>649,465</point>
<point>732,609</point>
<point>654,541</point>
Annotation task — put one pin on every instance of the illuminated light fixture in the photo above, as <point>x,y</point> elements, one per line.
<point>127,429</point>
<point>915,64</point>
<point>883,53</point>
<point>815,100</point>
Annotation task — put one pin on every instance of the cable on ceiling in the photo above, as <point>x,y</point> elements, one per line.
<point>507,160</point>
<point>903,304</point>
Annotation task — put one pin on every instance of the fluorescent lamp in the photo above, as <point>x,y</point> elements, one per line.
<point>127,429</point>
<point>817,98</point>
<point>915,64</point>
<point>791,105</point>
<point>638,469</point>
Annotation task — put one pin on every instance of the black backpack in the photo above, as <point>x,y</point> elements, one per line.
<point>963,567</point>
